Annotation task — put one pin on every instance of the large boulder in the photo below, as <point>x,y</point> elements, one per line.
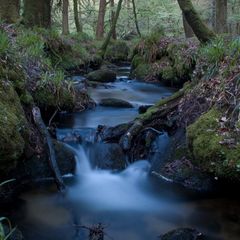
<point>102,75</point>
<point>115,102</point>
<point>213,146</point>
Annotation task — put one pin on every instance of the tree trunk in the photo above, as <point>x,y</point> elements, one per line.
<point>221,16</point>
<point>9,10</point>
<point>101,17</point>
<point>114,36</point>
<point>76,16</point>
<point>65,24</point>
<point>200,29</point>
<point>187,29</point>
<point>37,13</point>
<point>135,18</point>
<point>108,38</point>
<point>214,15</point>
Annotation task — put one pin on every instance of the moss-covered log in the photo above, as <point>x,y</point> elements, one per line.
<point>202,32</point>
<point>9,10</point>
<point>159,112</point>
<point>37,13</point>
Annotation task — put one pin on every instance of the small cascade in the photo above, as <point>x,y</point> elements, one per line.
<point>107,190</point>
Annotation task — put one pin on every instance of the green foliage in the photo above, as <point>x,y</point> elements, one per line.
<point>31,43</point>
<point>4,43</point>
<point>3,235</point>
<point>214,52</point>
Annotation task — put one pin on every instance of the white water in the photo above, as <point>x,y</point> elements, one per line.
<point>105,190</point>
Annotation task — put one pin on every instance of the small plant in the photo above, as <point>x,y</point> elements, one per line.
<point>214,52</point>
<point>3,234</point>
<point>32,43</point>
<point>4,43</point>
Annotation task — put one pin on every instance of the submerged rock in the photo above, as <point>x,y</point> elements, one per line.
<point>102,75</point>
<point>107,156</point>
<point>182,234</point>
<point>143,108</point>
<point>115,102</point>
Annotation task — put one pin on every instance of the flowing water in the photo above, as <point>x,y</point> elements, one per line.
<point>129,202</point>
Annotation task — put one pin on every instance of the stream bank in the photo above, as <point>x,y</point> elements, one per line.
<point>120,196</point>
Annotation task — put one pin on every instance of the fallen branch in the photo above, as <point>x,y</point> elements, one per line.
<point>52,156</point>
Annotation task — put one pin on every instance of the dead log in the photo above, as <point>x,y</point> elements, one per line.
<point>52,156</point>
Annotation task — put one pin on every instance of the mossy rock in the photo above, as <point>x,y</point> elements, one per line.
<point>183,59</point>
<point>136,61</point>
<point>63,98</point>
<point>142,71</point>
<point>166,72</point>
<point>12,127</point>
<point>102,75</point>
<point>204,141</point>
<point>117,51</point>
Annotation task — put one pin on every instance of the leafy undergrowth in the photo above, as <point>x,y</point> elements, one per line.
<point>165,59</point>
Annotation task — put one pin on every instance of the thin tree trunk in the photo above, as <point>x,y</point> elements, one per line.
<point>214,15</point>
<point>114,36</point>
<point>9,10</point>
<point>135,18</point>
<point>65,23</point>
<point>200,29</point>
<point>221,16</point>
<point>52,156</point>
<point>108,38</point>
<point>37,13</point>
<point>187,29</point>
<point>101,17</point>
<point>76,16</point>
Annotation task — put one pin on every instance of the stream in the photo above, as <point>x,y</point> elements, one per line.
<point>125,198</point>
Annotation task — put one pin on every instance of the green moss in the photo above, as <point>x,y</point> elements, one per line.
<point>12,126</point>
<point>45,98</point>
<point>26,98</point>
<point>204,143</point>
<point>142,71</point>
<point>4,43</point>
<point>183,59</point>
<point>137,60</point>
